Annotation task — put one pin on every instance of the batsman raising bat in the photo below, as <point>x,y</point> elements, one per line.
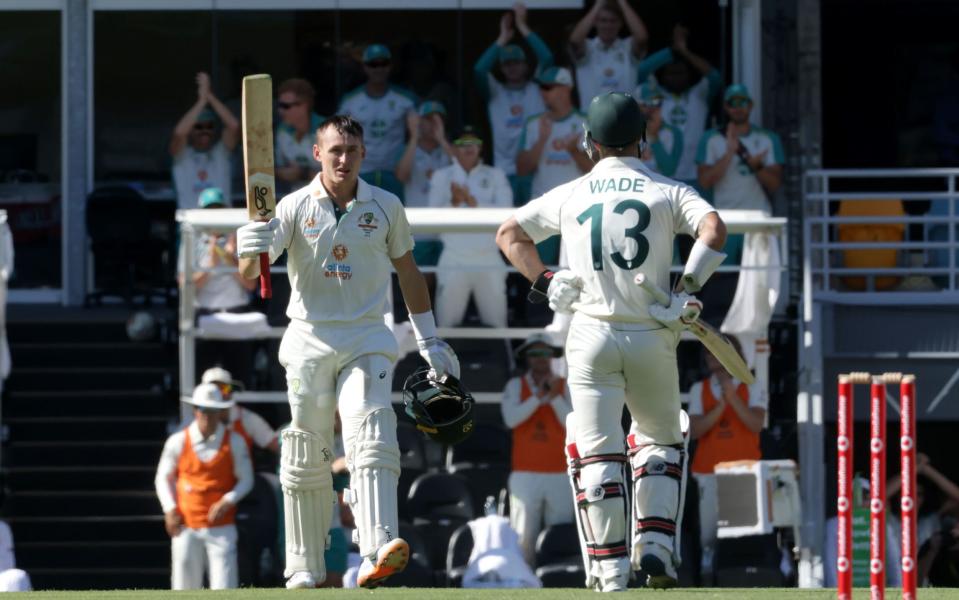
<point>617,221</point>
<point>342,237</point>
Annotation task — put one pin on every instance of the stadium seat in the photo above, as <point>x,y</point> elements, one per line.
<point>439,503</point>
<point>483,482</point>
<point>751,561</point>
<point>559,562</point>
<point>412,453</point>
<point>257,520</point>
<point>490,444</point>
<point>485,365</point>
<point>458,555</point>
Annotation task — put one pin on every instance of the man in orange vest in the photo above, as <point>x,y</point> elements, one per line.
<point>726,417</point>
<point>535,406</point>
<point>252,427</point>
<point>204,471</point>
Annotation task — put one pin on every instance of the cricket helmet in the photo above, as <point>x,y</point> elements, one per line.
<point>442,408</point>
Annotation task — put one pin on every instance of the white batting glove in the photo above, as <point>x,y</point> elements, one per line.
<point>683,311</point>
<point>255,238</point>
<point>440,357</point>
<point>564,289</point>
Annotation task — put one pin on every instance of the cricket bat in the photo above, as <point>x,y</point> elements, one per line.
<point>258,160</point>
<point>714,341</point>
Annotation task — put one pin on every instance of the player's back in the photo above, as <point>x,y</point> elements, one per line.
<point>620,220</point>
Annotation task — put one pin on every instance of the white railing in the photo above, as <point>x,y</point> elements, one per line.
<point>423,221</point>
<point>924,266</point>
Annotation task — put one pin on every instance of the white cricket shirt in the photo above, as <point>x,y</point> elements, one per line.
<point>687,112</point>
<point>616,221</point>
<point>384,123</point>
<point>556,166</point>
<point>195,171</point>
<point>340,272</point>
<point>605,69</point>
<point>416,191</point>
<point>508,110</point>
<point>739,188</point>
<point>490,188</point>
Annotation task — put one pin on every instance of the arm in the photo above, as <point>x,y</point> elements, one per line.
<point>712,231</point>
<point>680,37</point>
<point>404,167</point>
<point>242,469</point>
<point>577,38</point>
<point>770,177</point>
<point>231,127</point>
<point>484,66</point>
<point>668,161</point>
<point>544,56</point>
<point>754,418</point>
<point>165,480</point>
<point>637,29</point>
<point>516,412</point>
<point>699,425</point>
<point>412,284</point>
<point>710,174</point>
<point>528,158</point>
<point>519,249</point>
<point>229,258</point>
<point>651,63</point>
<point>181,131</point>
<point>583,163</point>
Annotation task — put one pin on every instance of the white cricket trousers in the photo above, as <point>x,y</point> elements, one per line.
<point>198,550</point>
<point>453,288</point>
<point>536,501</point>
<point>611,364</point>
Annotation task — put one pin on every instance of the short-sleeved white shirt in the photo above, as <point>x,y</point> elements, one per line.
<point>195,171</point>
<point>616,221</point>
<point>291,151</point>
<point>340,272</point>
<point>508,110</point>
<point>687,112</point>
<point>489,186</point>
<point>755,400</point>
<point>416,191</point>
<point>739,188</point>
<point>556,165</point>
<point>605,69</point>
<point>255,426</point>
<point>221,290</point>
<point>384,123</point>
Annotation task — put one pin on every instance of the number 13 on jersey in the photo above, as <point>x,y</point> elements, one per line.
<point>594,216</point>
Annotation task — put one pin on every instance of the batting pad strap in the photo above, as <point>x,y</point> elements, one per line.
<point>633,445</point>
<point>305,460</point>
<point>578,463</point>
<point>656,525</point>
<point>601,551</point>
<point>659,468</point>
<point>595,493</point>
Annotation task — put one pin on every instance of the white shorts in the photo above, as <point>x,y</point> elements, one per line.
<point>615,363</point>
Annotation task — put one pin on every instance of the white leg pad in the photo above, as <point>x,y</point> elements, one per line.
<point>374,462</point>
<point>308,498</point>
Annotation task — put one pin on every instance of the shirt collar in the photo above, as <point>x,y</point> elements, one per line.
<point>617,162</point>
<point>364,191</point>
<point>197,437</point>
<point>459,168</point>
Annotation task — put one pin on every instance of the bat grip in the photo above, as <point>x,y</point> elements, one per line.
<point>653,290</point>
<point>266,286</point>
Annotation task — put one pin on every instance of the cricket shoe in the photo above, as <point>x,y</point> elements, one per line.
<point>301,580</point>
<point>657,563</point>
<point>391,558</point>
<point>614,574</point>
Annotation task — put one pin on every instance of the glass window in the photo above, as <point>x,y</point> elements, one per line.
<point>30,144</point>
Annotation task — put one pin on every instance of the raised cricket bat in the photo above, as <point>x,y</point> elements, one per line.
<point>258,160</point>
<point>714,341</point>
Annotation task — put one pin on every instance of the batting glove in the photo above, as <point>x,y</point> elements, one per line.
<point>440,357</point>
<point>255,238</point>
<point>564,289</point>
<point>683,311</point>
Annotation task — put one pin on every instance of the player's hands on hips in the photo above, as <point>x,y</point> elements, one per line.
<point>255,237</point>
<point>439,356</point>
<point>683,311</point>
<point>564,290</point>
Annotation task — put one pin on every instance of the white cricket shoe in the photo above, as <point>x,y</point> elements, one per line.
<point>614,574</point>
<point>657,563</point>
<point>301,580</point>
<point>391,558</point>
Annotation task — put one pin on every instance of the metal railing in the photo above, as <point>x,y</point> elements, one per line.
<point>423,221</point>
<point>924,263</point>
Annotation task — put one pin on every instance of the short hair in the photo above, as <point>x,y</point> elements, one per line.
<point>301,87</point>
<point>344,124</point>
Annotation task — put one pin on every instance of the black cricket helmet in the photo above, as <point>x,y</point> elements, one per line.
<point>442,409</point>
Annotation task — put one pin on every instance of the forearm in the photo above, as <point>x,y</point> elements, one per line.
<point>653,62</point>
<point>165,484</point>
<point>249,267</point>
<point>750,419</point>
<point>415,293</point>
<point>544,56</point>
<point>404,168</point>
<point>701,424</point>
<point>578,36</point>
<point>482,68</point>
<point>637,28</point>
<point>515,412</point>
<point>527,160</point>
<point>709,175</point>
<point>770,178</point>
<point>519,249</point>
<point>712,231</point>
<point>583,163</point>
<point>698,62</point>
<point>188,120</point>
<point>225,114</point>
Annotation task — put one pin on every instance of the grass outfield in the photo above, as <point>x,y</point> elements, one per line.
<point>458,594</point>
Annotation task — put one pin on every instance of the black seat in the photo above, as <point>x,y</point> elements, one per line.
<point>257,520</point>
<point>439,503</point>
<point>485,364</point>
<point>559,561</point>
<point>412,452</point>
<point>458,555</point>
<point>483,482</point>
<point>751,561</point>
<point>490,444</point>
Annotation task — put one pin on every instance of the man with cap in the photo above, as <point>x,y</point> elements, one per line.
<point>294,137</point>
<point>468,183</point>
<point>252,427</point>
<point>512,101</point>
<point>381,109</point>
<point>200,161</point>
<point>204,471</point>
<point>664,142</point>
<point>619,221</point>
<point>607,62</point>
<point>427,151</point>
<point>535,406</point>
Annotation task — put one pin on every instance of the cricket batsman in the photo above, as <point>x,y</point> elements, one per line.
<point>342,236</point>
<point>617,221</point>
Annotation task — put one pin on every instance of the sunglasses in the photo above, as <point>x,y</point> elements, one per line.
<point>225,388</point>
<point>204,127</point>
<point>378,64</point>
<point>287,105</point>
<point>545,87</point>
<point>209,411</point>
<point>738,103</point>
<point>542,352</point>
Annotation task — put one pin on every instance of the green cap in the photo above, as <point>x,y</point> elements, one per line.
<point>206,116</point>
<point>511,52</point>
<point>376,52</point>
<point>736,90</point>
<point>613,119</point>
<point>211,197</point>
<point>650,91</point>
<point>555,76</point>
<point>468,135</point>
<point>430,107</point>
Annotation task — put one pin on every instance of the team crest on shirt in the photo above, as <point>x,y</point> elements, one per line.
<point>310,230</point>
<point>340,252</point>
<point>368,223</point>
<point>516,110</point>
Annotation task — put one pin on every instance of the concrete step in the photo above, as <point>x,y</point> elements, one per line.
<point>161,377</point>
<point>81,503</point>
<point>92,354</point>
<point>88,403</point>
<point>113,330</point>
<point>79,477</point>
<point>82,454</point>
<point>37,429</point>
<point>129,528</point>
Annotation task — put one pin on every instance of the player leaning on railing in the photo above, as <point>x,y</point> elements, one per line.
<point>617,221</point>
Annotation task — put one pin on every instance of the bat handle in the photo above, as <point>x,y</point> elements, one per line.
<point>266,286</point>
<point>652,289</point>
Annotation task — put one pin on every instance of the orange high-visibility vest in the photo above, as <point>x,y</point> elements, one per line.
<point>199,485</point>
<point>237,427</point>
<point>729,439</point>
<point>538,441</point>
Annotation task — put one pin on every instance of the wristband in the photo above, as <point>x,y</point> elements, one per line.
<point>539,292</point>
<point>424,325</point>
